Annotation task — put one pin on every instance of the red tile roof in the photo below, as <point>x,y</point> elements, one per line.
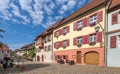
<point>4,47</point>
<point>114,3</point>
<point>89,6</point>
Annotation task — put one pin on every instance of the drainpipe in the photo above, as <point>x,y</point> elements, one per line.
<point>107,4</point>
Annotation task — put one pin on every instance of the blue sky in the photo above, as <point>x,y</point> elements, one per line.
<point>23,20</point>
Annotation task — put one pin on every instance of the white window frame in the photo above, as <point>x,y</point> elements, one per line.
<point>57,45</point>
<point>93,19</point>
<point>65,43</point>
<point>65,30</point>
<point>79,40</point>
<point>80,24</point>
<point>57,33</point>
<point>92,38</point>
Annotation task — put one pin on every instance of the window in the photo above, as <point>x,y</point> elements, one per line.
<point>58,57</point>
<point>49,47</point>
<point>57,33</point>
<point>92,39</point>
<point>57,45</point>
<point>64,57</point>
<point>113,42</point>
<point>65,31</point>
<point>93,20</point>
<point>79,25</point>
<point>65,43</point>
<point>114,18</point>
<point>79,40</point>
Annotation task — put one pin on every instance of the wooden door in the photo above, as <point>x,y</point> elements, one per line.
<point>92,58</point>
<point>38,58</point>
<point>42,58</point>
<point>79,57</point>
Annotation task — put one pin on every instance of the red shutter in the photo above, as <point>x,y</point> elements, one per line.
<point>66,57</point>
<point>99,36</point>
<point>85,39</point>
<point>61,44</point>
<point>115,18</point>
<point>55,34</point>
<point>68,29</point>
<point>113,42</point>
<point>61,57</point>
<point>54,45</point>
<point>100,16</point>
<point>74,41</point>
<point>68,42</point>
<point>75,26</point>
<point>85,22</point>
<point>60,32</point>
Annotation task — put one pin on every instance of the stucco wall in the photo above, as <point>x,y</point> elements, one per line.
<point>85,31</point>
<point>115,26</point>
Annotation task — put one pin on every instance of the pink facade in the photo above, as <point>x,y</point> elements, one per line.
<point>72,54</point>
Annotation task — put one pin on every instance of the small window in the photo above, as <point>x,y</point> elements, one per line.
<point>65,43</point>
<point>57,33</point>
<point>92,38</point>
<point>79,40</point>
<point>64,57</point>
<point>79,25</point>
<point>57,45</point>
<point>58,57</point>
<point>65,30</point>
<point>93,20</point>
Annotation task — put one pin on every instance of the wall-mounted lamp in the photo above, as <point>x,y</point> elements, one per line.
<point>97,28</point>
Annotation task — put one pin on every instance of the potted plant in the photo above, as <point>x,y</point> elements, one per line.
<point>79,44</point>
<point>64,46</point>
<point>92,42</point>
<point>93,24</point>
<point>79,28</point>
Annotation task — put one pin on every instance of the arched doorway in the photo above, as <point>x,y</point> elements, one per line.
<point>38,58</point>
<point>79,57</point>
<point>92,58</point>
<point>42,58</point>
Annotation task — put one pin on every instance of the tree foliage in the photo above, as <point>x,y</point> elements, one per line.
<point>31,52</point>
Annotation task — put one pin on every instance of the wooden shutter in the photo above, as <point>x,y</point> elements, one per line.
<point>68,42</point>
<point>61,43</point>
<point>54,45</point>
<point>99,36</point>
<point>85,39</point>
<point>100,16</point>
<point>55,34</point>
<point>75,26</point>
<point>85,22</point>
<point>115,18</point>
<point>60,32</point>
<point>74,41</point>
<point>68,29</point>
<point>113,42</point>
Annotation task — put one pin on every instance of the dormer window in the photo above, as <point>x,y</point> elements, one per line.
<point>93,20</point>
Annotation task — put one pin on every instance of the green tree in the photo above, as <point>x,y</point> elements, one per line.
<point>31,52</point>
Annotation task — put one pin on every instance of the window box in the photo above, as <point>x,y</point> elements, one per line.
<point>93,24</point>
<point>64,46</point>
<point>79,28</point>
<point>92,43</point>
<point>79,44</point>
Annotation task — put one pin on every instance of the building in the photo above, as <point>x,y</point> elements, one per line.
<point>43,44</point>
<point>4,51</point>
<point>113,34</point>
<point>80,37</point>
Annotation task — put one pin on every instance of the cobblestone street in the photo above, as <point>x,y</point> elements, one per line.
<point>39,68</point>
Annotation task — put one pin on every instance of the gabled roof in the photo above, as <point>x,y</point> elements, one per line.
<point>4,47</point>
<point>114,3</point>
<point>89,6</point>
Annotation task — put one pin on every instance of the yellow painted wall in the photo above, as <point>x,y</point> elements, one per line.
<point>85,31</point>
